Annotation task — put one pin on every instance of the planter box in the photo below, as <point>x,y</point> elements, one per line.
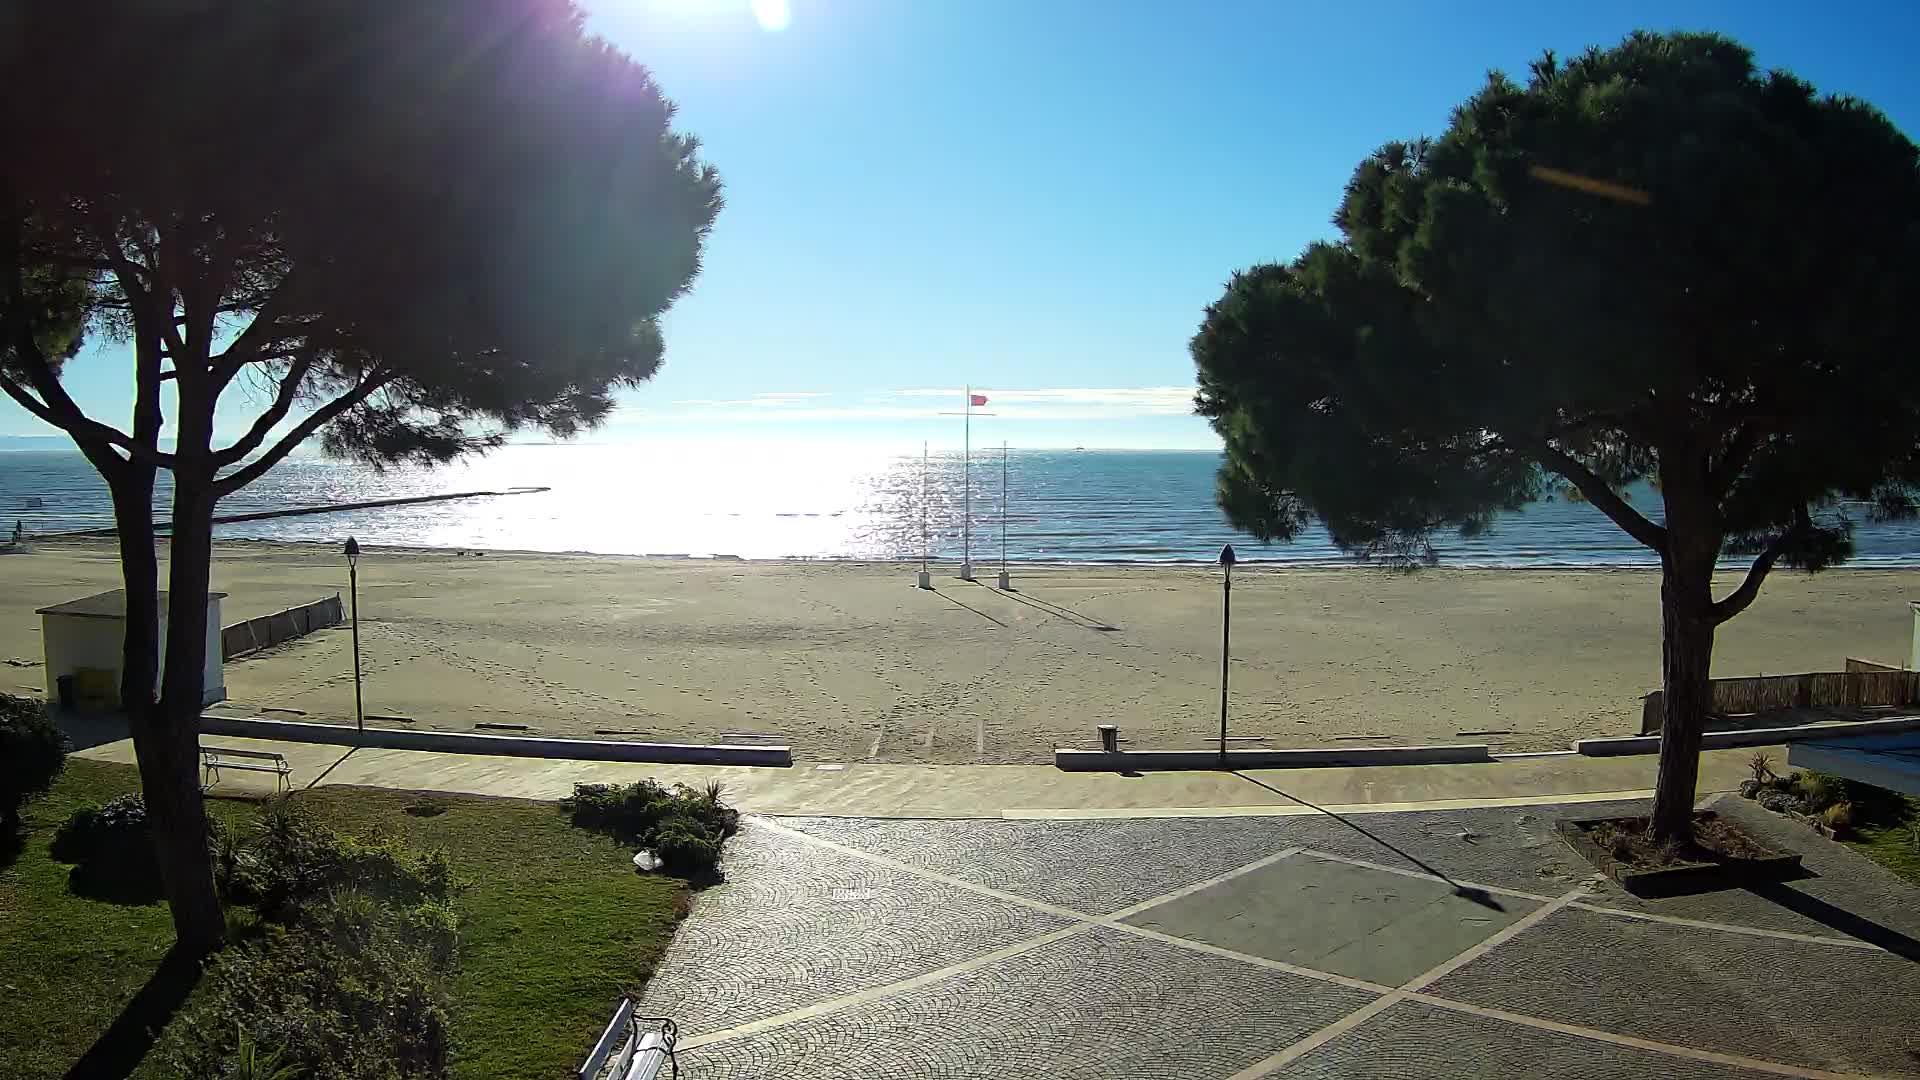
<point>1678,878</point>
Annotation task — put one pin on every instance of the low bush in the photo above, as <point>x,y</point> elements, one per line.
<point>348,977</point>
<point>32,753</point>
<point>684,827</point>
<point>1819,791</point>
<point>291,858</point>
<point>341,994</point>
<point>111,847</point>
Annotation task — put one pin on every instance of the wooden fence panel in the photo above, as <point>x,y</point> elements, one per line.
<point>1768,693</point>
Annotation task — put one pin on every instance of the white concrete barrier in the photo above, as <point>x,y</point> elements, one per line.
<point>1163,760</point>
<point>459,742</point>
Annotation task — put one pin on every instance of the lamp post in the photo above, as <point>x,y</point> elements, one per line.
<point>353,590</point>
<point>1226,639</point>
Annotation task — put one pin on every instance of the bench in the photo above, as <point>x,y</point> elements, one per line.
<point>626,1052</point>
<point>215,758</point>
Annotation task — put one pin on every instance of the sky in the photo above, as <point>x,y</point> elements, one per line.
<point>1039,198</point>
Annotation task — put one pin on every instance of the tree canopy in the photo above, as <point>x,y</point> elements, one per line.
<point>1651,261</point>
<point>413,226</point>
<point>1730,289</point>
<point>409,227</point>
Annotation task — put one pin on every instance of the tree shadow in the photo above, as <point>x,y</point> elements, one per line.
<point>13,841</point>
<point>120,1049</point>
<point>85,730</point>
<point>1855,926</point>
<point>1466,892</point>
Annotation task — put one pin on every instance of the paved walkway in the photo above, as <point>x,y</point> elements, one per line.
<point>1289,946</point>
<point>973,791</point>
<point>1386,922</point>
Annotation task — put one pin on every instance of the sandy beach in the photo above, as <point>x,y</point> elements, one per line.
<point>848,662</point>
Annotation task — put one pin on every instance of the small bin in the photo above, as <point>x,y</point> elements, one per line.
<point>1109,737</point>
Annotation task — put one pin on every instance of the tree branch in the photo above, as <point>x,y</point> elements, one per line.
<point>1737,601</point>
<point>1740,448</point>
<point>1602,495</point>
<point>263,425</point>
<point>320,418</point>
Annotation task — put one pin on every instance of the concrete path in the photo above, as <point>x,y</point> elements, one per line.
<point>1444,943</point>
<point>971,791</point>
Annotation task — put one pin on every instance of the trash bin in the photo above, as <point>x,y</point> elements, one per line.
<point>1109,737</point>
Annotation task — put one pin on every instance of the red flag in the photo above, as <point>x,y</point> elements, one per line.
<point>979,399</point>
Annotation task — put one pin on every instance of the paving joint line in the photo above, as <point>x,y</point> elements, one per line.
<point>1386,997</point>
<point>1602,909</point>
<point>1670,1049</point>
<point>1300,1048</point>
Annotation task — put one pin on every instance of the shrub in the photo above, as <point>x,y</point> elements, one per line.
<point>684,827</point>
<point>1762,766</point>
<point>32,753</point>
<point>1819,790</point>
<point>292,858</point>
<point>370,1007</point>
<point>112,849</point>
<point>1838,817</point>
<point>685,848</point>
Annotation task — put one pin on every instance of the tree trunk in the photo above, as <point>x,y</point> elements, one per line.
<point>1686,660</point>
<point>186,866</point>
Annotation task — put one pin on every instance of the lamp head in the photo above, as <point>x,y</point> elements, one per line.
<point>1226,555</point>
<point>353,549</point>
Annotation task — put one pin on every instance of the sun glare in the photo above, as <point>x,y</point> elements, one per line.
<point>772,14</point>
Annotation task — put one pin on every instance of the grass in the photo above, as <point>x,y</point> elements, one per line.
<point>1884,831</point>
<point>555,927</point>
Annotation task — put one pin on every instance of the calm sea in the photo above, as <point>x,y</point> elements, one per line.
<point>833,503</point>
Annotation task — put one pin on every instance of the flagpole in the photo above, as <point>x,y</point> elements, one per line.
<point>966,499</point>
<point>925,580</point>
<point>1006,579</point>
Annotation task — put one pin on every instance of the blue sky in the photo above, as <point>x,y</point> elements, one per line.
<point>1040,197</point>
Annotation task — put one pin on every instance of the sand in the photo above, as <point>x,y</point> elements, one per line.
<point>848,662</point>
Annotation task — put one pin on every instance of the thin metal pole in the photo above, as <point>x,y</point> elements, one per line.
<point>353,588</point>
<point>966,482</point>
<point>1226,644</point>
<point>924,551</point>
<point>1003,506</point>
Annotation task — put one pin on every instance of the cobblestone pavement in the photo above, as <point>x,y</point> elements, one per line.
<point>1457,943</point>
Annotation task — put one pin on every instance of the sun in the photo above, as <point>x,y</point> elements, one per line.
<point>772,14</point>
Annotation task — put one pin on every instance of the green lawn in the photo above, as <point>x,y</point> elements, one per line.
<point>1885,834</point>
<point>555,926</point>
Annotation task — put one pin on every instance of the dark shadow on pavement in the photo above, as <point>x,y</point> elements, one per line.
<point>87,730</point>
<point>120,1049</point>
<point>1839,919</point>
<point>1478,896</point>
<point>969,607</point>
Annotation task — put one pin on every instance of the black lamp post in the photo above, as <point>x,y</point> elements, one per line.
<point>1226,621</point>
<point>353,590</point>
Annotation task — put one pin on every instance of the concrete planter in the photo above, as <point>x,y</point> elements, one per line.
<point>1679,878</point>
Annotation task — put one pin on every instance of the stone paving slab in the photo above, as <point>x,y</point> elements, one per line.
<point>1816,1006</point>
<point>1093,1006</point>
<point>1093,866</point>
<point>1415,1040</point>
<point>1331,916</point>
<point>796,923</point>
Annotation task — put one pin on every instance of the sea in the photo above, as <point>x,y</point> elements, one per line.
<point>761,501</point>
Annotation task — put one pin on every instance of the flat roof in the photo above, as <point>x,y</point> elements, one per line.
<point>111,604</point>
<point>1886,761</point>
